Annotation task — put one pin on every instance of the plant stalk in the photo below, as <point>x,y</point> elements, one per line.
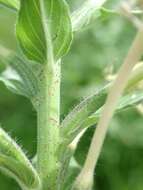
<point>115,93</point>
<point>48,113</point>
<point>48,126</point>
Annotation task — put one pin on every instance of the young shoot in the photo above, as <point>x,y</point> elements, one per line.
<point>44,31</point>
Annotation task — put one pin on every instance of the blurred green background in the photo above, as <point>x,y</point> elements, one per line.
<point>95,53</point>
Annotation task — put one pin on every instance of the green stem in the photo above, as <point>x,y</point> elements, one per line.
<point>48,125</point>
<point>48,114</point>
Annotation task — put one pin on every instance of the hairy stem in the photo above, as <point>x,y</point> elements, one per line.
<point>48,126</point>
<point>115,93</point>
<point>48,113</point>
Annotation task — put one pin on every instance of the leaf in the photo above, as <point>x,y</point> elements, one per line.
<point>126,101</point>
<point>67,164</point>
<point>14,163</point>
<point>81,112</point>
<point>44,27</point>
<point>87,113</point>
<point>13,4</point>
<point>99,14</point>
<point>90,10</point>
<point>81,18</point>
<point>81,117</point>
<point>21,77</point>
<point>71,174</point>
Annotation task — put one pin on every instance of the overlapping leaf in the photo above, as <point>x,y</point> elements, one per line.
<point>81,18</point>
<point>13,4</point>
<point>87,107</point>
<point>87,113</point>
<point>44,26</point>
<point>87,12</point>
<point>14,162</point>
<point>125,102</point>
<point>21,77</point>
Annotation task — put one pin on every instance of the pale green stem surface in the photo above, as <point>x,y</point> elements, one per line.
<point>48,126</point>
<point>48,114</point>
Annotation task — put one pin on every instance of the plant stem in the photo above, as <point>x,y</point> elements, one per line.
<point>115,93</point>
<point>48,113</point>
<point>48,125</point>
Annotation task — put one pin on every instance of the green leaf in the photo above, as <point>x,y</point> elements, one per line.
<point>126,101</point>
<point>89,112</point>
<point>99,14</point>
<point>71,124</point>
<point>13,4</point>
<point>44,27</point>
<point>21,77</point>
<point>71,174</point>
<point>89,11</point>
<point>14,163</point>
<point>83,115</point>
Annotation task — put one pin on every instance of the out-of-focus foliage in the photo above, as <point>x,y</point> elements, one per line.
<point>96,52</point>
<point>11,4</point>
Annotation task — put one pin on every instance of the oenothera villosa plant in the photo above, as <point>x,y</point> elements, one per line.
<point>44,30</point>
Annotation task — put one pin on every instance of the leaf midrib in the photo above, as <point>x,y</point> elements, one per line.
<point>47,33</point>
